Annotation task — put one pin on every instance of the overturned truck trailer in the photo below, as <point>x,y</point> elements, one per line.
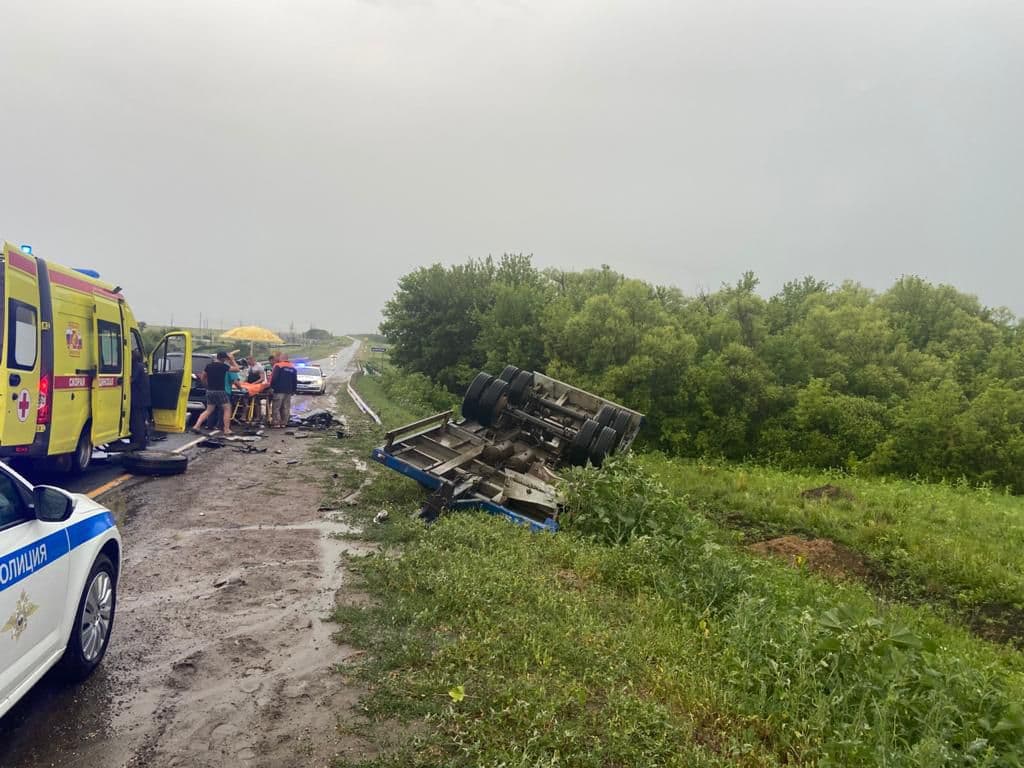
<point>518,429</point>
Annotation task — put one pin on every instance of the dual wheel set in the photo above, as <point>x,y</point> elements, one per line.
<point>599,437</point>
<point>488,396</point>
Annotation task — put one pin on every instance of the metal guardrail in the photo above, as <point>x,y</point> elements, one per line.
<point>361,404</point>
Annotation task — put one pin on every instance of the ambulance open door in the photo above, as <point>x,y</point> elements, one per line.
<point>111,381</point>
<point>170,378</point>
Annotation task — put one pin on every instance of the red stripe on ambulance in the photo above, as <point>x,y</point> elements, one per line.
<point>22,262</point>
<point>72,382</point>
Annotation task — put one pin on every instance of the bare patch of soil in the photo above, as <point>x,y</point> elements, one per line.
<point>819,555</point>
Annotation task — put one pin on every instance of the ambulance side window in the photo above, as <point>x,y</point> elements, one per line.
<point>110,346</point>
<point>22,335</point>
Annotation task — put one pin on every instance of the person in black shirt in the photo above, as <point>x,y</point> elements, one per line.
<point>138,421</point>
<point>214,378</point>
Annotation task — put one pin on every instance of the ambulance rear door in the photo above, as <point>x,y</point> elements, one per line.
<point>170,378</point>
<point>19,318</point>
<point>109,400</point>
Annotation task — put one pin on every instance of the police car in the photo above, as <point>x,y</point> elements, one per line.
<point>60,556</point>
<point>310,379</point>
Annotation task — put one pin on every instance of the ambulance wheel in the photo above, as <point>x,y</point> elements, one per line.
<point>156,463</point>
<point>76,463</point>
<point>94,619</point>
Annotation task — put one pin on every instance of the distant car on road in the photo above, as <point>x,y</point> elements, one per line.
<point>311,379</point>
<point>60,556</point>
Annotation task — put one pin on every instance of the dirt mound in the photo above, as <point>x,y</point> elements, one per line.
<point>819,555</point>
<point>827,491</point>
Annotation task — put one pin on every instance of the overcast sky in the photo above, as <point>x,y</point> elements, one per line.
<point>278,161</point>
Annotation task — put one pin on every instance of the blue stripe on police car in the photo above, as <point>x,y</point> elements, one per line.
<point>23,562</point>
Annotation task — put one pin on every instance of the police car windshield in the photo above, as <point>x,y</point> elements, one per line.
<point>305,370</point>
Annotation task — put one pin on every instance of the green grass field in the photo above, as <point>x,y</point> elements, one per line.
<point>645,634</point>
<point>950,545</point>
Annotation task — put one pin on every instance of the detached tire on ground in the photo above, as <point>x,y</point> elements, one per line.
<point>157,463</point>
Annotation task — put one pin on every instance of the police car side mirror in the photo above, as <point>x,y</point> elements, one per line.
<point>52,505</point>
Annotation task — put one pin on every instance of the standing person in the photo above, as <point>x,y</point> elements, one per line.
<point>138,420</point>
<point>215,377</point>
<point>284,381</point>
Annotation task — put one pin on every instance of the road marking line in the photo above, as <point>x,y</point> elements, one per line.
<point>96,492</point>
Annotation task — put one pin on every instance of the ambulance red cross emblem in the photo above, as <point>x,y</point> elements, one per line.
<point>24,404</point>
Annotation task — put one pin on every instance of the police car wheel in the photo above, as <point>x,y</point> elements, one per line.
<point>157,463</point>
<point>90,634</point>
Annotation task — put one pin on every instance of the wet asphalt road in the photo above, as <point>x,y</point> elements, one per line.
<point>54,713</point>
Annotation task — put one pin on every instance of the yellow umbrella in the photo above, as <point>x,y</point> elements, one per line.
<point>252,334</point>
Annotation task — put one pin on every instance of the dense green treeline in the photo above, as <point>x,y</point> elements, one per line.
<point>919,380</point>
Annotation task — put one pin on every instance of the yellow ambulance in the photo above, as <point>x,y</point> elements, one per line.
<point>66,341</point>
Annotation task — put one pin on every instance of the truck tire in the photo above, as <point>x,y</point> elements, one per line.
<point>579,448</point>
<point>606,414</point>
<point>603,444</point>
<point>471,402</point>
<point>508,373</point>
<point>156,463</point>
<point>519,386</point>
<point>492,401</point>
<point>620,425</point>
